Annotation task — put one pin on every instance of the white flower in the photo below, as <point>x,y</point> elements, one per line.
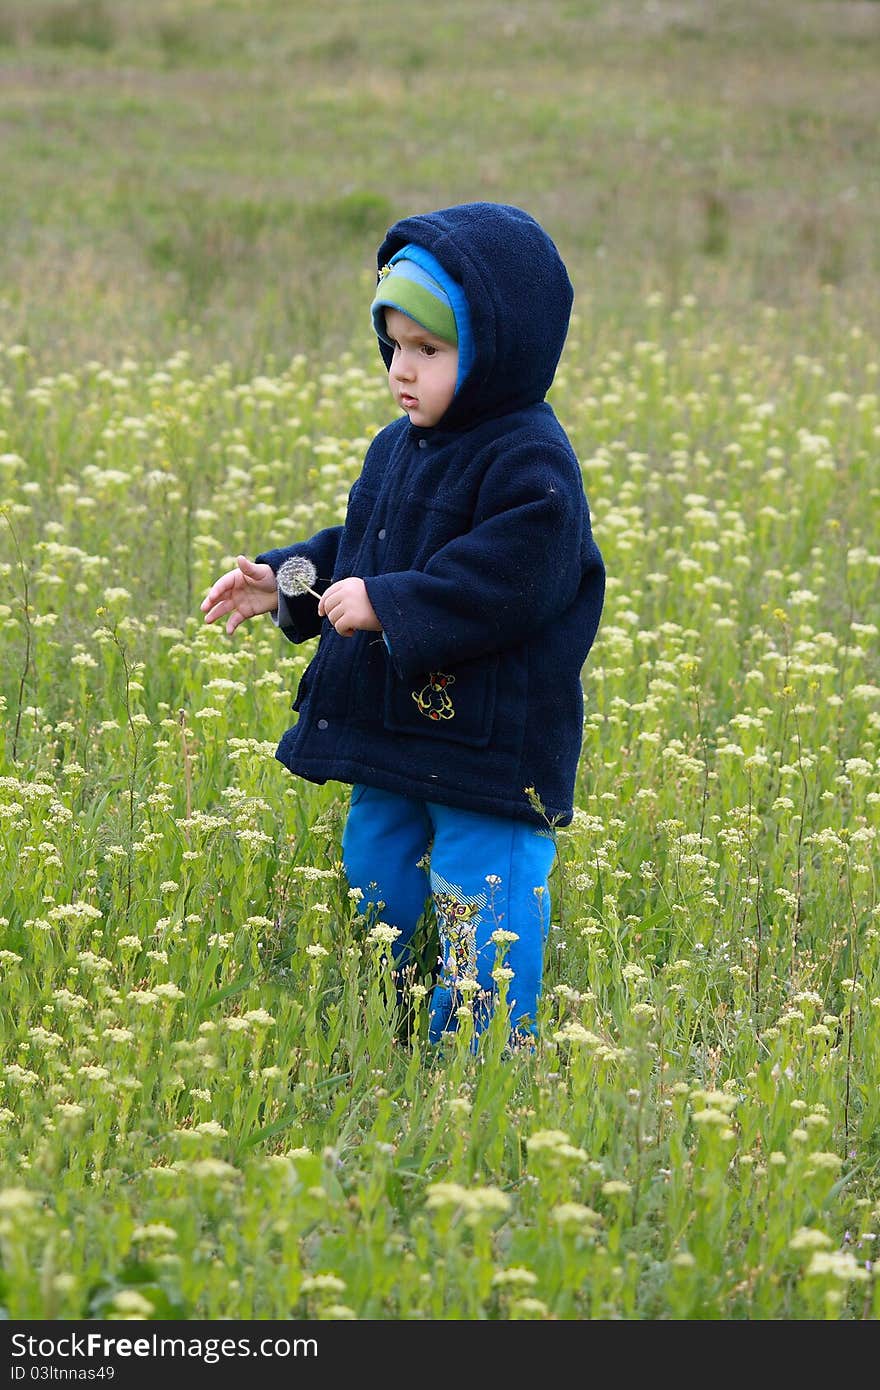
<point>153,1231</point>
<point>133,1303</point>
<point>383,934</point>
<point>615,1187</point>
<point>515,1274</point>
<point>575,1214</point>
<point>168,991</point>
<point>259,1016</point>
<point>322,1283</point>
<point>17,1199</point>
<point>546,1139</point>
<point>574,1032</point>
<point>809,1238</point>
<point>475,1201</point>
<point>837,1264</point>
<point>207,1168</point>
<point>824,1162</point>
<point>710,1116</point>
<point>211,1127</point>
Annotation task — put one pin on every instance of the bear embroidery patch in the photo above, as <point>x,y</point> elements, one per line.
<point>457,917</point>
<point>434,700</point>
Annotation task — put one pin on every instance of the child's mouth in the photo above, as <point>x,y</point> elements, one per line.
<point>408,402</point>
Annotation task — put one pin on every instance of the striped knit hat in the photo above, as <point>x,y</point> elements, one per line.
<point>406,285</point>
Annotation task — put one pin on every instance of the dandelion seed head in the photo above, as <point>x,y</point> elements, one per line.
<point>296,576</point>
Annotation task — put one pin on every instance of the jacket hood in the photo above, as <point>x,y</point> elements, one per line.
<point>519,300</point>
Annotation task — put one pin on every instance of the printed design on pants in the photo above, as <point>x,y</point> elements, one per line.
<point>434,700</point>
<point>458,917</point>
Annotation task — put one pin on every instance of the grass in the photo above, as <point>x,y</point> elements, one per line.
<point>210,1106</point>
<point>258,152</point>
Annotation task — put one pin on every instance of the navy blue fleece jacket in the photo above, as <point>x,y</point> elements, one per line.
<point>473,540</point>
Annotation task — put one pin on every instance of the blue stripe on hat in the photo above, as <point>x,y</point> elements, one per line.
<point>456,296</point>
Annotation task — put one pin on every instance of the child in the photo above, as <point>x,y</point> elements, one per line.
<point>458,603</point>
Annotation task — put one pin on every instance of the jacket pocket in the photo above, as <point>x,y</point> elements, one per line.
<point>455,705</point>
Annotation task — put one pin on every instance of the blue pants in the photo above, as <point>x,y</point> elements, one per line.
<point>485,873</point>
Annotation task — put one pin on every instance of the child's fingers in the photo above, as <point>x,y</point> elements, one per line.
<point>332,610</point>
<point>332,593</point>
<point>218,610</point>
<point>220,586</point>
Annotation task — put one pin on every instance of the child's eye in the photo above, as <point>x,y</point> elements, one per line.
<point>428,349</point>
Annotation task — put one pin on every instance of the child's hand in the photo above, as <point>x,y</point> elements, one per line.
<point>242,593</point>
<point>348,607</point>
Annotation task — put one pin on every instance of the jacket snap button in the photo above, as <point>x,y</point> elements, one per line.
<point>423,443</point>
<point>381,534</point>
<point>322,723</point>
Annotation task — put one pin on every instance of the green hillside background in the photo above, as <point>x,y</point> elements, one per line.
<point>216,173</point>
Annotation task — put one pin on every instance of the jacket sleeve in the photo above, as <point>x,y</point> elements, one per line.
<point>520,565</point>
<point>298,617</point>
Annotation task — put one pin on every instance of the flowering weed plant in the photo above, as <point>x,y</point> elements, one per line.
<point>217,1101</point>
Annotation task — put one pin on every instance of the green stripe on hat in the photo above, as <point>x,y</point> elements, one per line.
<point>420,299</point>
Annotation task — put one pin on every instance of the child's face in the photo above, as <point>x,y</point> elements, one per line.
<point>423,371</point>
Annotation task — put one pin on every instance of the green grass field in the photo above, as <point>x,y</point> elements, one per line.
<point>216,175</point>
<point>209,1108</point>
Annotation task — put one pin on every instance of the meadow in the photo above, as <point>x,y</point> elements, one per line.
<point>210,1105</point>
